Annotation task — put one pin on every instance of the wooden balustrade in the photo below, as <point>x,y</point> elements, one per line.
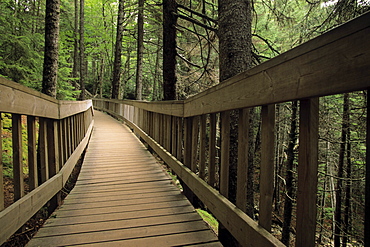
<point>180,131</point>
<point>57,131</point>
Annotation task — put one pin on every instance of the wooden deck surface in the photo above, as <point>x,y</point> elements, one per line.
<point>123,198</point>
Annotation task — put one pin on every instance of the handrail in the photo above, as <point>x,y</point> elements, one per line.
<point>336,62</point>
<point>63,129</point>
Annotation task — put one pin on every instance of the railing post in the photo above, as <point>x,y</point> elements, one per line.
<point>32,152</point>
<point>1,165</point>
<point>43,147</point>
<point>225,153</point>
<point>307,172</point>
<point>267,166</point>
<point>242,167</point>
<point>17,157</point>
<point>202,146</point>
<point>53,151</point>
<point>212,150</point>
<point>180,139</point>
<point>194,143</point>
<point>173,135</point>
<point>188,156</point>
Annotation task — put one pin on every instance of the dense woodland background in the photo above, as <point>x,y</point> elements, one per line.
<point>88,44</point>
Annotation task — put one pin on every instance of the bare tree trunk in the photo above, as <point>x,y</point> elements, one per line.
<point>118,52</point>
<point>50,72</point>
<point>288,203</point>
<point>347,202</point>
<point>338,205</point>
<point>367,174</point>
<point>169,49</point>
<point>82,49</point>
<point>140,50</point>
<point>235,57</point>
<point>251,164</point>
<point>75,46</point>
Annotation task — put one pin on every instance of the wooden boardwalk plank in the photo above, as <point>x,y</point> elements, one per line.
<point>123,198</point>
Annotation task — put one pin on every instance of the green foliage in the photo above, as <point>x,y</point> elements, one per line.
<point>207,217</point>
<point>7,154</point>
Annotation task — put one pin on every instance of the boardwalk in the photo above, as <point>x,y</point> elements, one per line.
<point>123,198</point>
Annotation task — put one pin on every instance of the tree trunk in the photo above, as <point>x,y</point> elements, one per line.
<point>235,57</point>
<point>140,50</point>
<point>288,203</point>
<point>251,164</point>
<point>75,46</point>
<point>169,49</point>
<point>50,72</point>
<point>347,202</point>
<point>118,52</point>
<point>82,49</point>
<point>338,206</point>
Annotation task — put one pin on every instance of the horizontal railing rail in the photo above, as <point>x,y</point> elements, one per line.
<point>55,132</point>
<point>184,133</point>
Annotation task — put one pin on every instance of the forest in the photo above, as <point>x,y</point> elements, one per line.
<point>120,49</point>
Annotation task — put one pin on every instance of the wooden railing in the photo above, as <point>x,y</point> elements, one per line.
<point>57,132</point>
<point>336,62</point>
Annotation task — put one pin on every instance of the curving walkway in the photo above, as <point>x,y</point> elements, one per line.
<point>123,198</point>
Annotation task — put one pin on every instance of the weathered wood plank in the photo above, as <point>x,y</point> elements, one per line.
<point>307,172</point>
<point>53,149</point>
<point>242,170</point>
<point>194,143</point>
<point>32,156</point>
<point>267,166</point>
<point>113,235</point>
<point>19,99</point>
<point>202,146</point>
<point>339,58</point>
<point>63,219</point>
<point>225,153</point>
<point>43,147</point>
<point>17,157</point>
<point>212,150</point>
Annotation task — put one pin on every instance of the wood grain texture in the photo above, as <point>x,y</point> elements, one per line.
<point>267,166</point>
<point>32,149</point>
<point>123,198</point>
<point>307,172</point>
<point>225,153</point>
<point>340,58</point>
<point>17,157</point>
<point>241,188</point>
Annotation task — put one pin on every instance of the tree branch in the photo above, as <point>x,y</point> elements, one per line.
<point>195,22</point>
<point>196,13</point>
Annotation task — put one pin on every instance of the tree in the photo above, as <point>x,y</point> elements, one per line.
<point>140,50</point>
<point>169,49</point>
<point>235,42</point>
<point>118,52</point>
<point>288,203</point>
<point>82,49</point>
<point>52,16</point>
<point>75,42</point>
<point>339,190</point>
